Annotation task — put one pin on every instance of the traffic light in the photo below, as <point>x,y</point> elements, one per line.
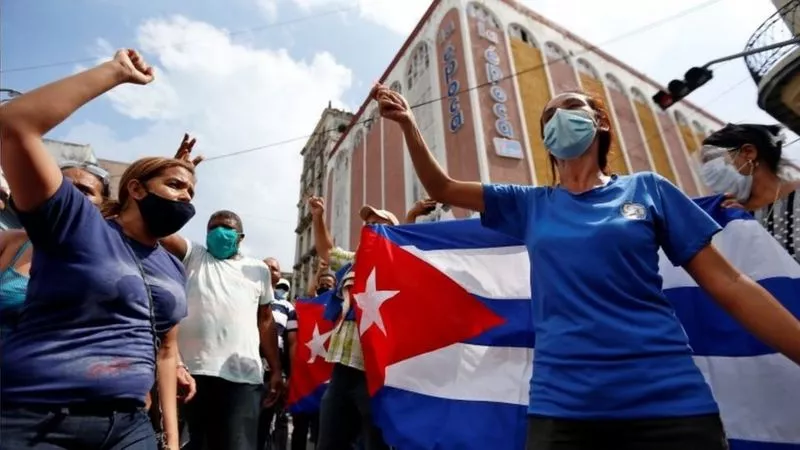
<point>679,89</point>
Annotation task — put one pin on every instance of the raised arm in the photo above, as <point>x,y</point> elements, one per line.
<point>31,171</point>
<point>420,209</point>
<point>175,243</point>
<point>323,241</point>
<point>441,188</point>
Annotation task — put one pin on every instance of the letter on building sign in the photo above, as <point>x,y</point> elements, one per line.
<point>453,86</point>
<point>486,33</point>
<point>506,145</point>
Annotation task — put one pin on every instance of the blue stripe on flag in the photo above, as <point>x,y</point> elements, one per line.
<point>453,234</point>
<point>515,332</point>
<point>713,332</point>
<point>447,424</point>
<point>310,403</point>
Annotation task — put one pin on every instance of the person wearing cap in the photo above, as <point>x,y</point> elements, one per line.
<point>346,400</point>
<point>15,247</point>
<point>221,341</point>
<point>286,326</point>
<point>746,162</point>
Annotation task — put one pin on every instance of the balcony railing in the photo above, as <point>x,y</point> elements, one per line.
<point>777,28</point>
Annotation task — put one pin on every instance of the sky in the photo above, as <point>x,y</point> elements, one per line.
<point>244,74</point>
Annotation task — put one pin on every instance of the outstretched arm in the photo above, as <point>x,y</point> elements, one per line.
<point>749,303</point>
<point>32,173</point>
<point>442,188</point>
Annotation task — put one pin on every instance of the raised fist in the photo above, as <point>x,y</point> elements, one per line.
<point>133,66</point>
<point>317,205</point>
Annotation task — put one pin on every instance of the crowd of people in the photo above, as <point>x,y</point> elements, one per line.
<point>118,333</point>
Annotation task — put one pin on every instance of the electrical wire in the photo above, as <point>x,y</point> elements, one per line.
<point>590,49</point>
<point>229,33</point>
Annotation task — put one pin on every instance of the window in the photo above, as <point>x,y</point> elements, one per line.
<point>586,67</point>
<point>480,12</point>
<point>554,51</point>
<point>638,95</point>
<point>615,84</point>
<point>397,87</point>
<point>517,32</point>
<point>681,119</point>
<point>418,64</point>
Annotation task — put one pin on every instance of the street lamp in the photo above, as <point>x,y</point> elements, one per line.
<point>695,77</point>
<point>10,93</point>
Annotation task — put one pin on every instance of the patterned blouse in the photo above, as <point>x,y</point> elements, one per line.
<point>782,222</point>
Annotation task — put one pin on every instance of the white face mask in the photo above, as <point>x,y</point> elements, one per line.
<point>721,177</point>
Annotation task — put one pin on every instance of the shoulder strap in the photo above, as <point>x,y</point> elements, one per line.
<point>155,413</point>
<point>18,254</point>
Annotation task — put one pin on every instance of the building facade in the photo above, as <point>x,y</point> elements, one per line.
<point>327,133</point>
<point>494,64</point>
<point>115,170</point>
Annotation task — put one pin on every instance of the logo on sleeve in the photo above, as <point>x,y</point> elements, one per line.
<point>633,211</point>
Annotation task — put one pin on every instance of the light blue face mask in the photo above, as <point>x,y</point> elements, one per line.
<point>222,242</point>
<point>569,133</point>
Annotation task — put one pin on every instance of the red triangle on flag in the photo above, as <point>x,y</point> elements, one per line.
<point>425,310</point>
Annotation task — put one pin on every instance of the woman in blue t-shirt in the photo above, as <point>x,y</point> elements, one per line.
<point>613,368</point>
<point>104,298</point>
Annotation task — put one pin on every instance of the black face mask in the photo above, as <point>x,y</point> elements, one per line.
<point>163,216</point>
<point>322,290</point>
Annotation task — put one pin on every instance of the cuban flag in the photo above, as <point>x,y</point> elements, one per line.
<point>444,313</point>
<point>310,372</point>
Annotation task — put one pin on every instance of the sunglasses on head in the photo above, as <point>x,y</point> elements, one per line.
<point>93,169</point>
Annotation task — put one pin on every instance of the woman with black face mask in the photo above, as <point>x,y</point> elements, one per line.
<point>746,161</point>
<point>104,298</point>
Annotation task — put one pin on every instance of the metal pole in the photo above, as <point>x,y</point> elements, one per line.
<point>795,40</point>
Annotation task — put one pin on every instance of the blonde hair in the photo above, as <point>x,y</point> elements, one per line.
<point>142,170</point>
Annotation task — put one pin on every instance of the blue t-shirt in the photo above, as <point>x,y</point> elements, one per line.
<point>84,333</point>
<point>608,343</point>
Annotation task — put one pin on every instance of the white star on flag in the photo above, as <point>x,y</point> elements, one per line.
<point>317,344</point>
<point>370,302</point>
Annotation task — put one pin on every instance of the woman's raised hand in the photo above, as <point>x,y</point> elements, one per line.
<point>391,104</point>
<point>134,68</point>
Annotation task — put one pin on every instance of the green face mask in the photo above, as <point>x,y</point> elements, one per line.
<point>222,242</point>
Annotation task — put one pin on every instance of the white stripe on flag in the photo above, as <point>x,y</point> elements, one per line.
<point>758,396</point>
<point>748,247</point>
<point>494,273</point>
<point>467,372</point>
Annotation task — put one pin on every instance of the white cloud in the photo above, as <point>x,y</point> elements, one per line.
<point>396,15</point>
<point>232,97</point>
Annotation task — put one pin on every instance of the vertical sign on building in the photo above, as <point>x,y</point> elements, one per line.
<point>502,126</point>
<point>459,125</point>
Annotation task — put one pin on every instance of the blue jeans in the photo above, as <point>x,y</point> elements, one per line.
<point>52,428</point>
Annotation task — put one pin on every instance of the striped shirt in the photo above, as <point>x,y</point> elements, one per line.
<point>781,220</point>
<point>285,317</point>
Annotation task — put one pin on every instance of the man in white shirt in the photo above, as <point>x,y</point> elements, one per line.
<point>220,339</point>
